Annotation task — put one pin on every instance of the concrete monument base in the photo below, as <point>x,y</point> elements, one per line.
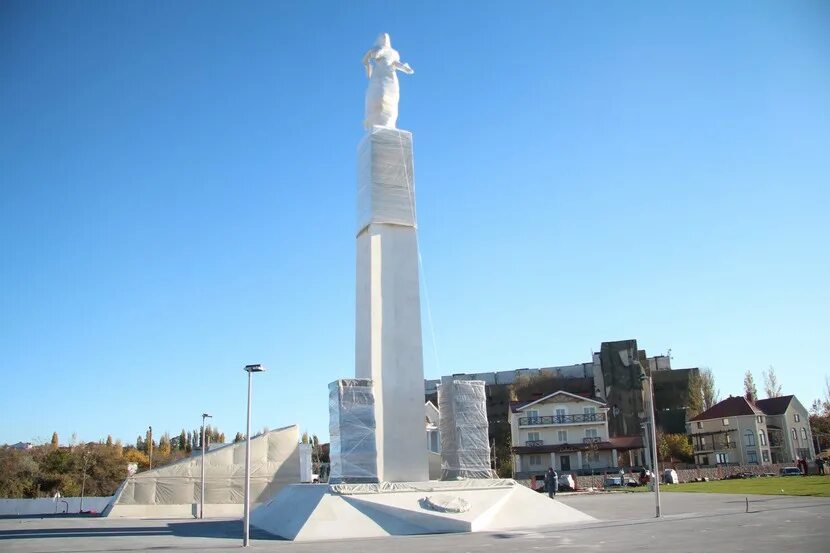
<point>311,512</point>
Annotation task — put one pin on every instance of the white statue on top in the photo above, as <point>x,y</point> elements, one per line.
<point>382,63</point>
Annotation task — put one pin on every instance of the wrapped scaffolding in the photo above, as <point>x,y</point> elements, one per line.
<point>352,431</point>
<point>385,180</point>
<point>465,447</point>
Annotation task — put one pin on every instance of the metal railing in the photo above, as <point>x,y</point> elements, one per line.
<point>562,419</point>
<point>591,440</point>
<point>534,443</point>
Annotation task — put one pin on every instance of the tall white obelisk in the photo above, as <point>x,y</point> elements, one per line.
<point>388,345</point>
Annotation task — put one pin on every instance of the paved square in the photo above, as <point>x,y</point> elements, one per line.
<point>693,522</point>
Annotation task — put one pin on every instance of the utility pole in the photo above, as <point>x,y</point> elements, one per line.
<point>204,444</point>
<point>653,435</point>
<point>150,446</point>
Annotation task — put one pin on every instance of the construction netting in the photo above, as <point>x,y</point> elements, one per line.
<point>275,462</point>
<point>385,183</point>
<point>353,452</point>
<point>465,446</point>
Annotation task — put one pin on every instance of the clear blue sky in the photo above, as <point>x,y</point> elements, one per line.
<point>178,197</point>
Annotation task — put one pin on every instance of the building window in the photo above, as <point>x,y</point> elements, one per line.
<point>590,410</point>
<point>535,460</point>
<point>726,422</point>
<point>762,437</point>
<point>803,433</point>
<point>591,433</point>
<point>533,414</point>
<point>562,436</point>
<point>699,425</point>
<point>797,417</point>
<point>749,438</point>
<point>435,441</point>
<point>751,456</point>
<point>760,418</point>
<point>721,458</point>
<point>560,413</point>
<point>533,436</point>
<point>795,435</point>
<point>765,455</point>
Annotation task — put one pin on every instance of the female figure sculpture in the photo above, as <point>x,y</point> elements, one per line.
<point>382,63</point>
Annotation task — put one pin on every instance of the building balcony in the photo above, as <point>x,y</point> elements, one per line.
<point>592,440</point>
<point>562,419</point>
<point>534,443</point>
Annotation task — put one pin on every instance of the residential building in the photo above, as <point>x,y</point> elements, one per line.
<point>612,376</point>
<point>568,432</point>
<point>788,427</point>
<point>733,431</point>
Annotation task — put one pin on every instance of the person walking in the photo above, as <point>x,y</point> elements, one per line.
<point>551,482</point>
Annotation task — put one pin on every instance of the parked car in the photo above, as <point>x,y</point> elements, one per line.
<point>790,471</point>
<point>670,476</point>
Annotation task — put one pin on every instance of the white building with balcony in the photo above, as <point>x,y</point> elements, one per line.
<point>569,433</point>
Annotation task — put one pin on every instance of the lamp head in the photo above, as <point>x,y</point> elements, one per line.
<point>257,368</point>
<point>206,416</point>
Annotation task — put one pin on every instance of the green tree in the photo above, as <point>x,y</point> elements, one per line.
<point>183,441</point>
<point>109,440</point>
<point>54,444</point>
<point>238,438</point>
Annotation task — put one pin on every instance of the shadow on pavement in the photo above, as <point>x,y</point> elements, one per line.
<point>224,529</point>
<point>28,533</point>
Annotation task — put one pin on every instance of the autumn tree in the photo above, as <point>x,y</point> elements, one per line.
<point>671,447</point>
<point>696,403</point>
<point>771,385</point>
<point>164,445</point>
<point>750,390</point>
<point>109,440</point>
<point>711,396</point>
<point>54,444</point>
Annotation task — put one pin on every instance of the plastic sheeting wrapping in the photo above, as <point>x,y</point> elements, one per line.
<point>352,450</point>
<point>465,447</point>
<point>275,463</point>
<point>385,179</point>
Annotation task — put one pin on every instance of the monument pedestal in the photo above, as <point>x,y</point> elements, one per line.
<point>388,346</point>
<point>308,512</point>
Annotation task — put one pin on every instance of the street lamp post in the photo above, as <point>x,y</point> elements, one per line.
<point>150,446</point>
<point>250,369</point>
<point>83,484</point>
<point>202,496</point>
<point>656,476</point>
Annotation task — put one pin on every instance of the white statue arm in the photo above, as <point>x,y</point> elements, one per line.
<point>404,67</point>
<point>370,55</point>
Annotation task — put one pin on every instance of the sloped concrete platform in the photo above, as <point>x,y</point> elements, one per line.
<point>308,512</point>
